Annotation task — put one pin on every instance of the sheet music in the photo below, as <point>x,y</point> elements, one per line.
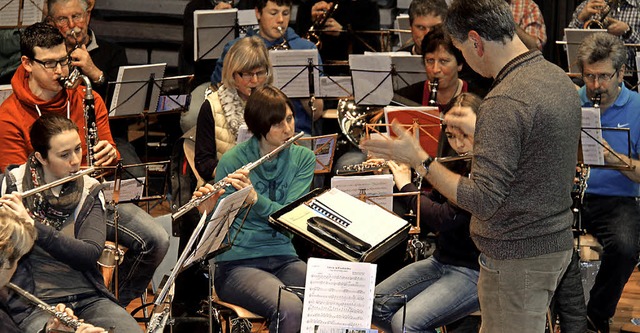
<point>592,150</point>
<point>212,30</point>
<point>243,134</point>
<point>336,86</point>
<point>130,92</point>
<point>370,223</point>
<point>338,293</point>
<point>367,185</point>
<point>247,18</point>
<point>290,68</point>
<point>10,13</point>
<point>5,92</point>
<point>402,23</point>
<point>130,189</point>
<point>32,12</point>
<point>371,79</point>
<point>218,225</point>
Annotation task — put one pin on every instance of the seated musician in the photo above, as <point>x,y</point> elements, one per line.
<point>273,28</point>
<point>442,288</point>
<point>261,259</point>
<point>424,15</point>
<point>37,91</point>
<point>71,224</point>
<point>246,68</point>
<point>17,236</point>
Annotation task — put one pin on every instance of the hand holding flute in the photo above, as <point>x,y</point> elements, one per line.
<point>239,180</point>
<point>54,324</point>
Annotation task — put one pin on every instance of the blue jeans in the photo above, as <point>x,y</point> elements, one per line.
<point>95,310</point>
<point>437,294</point>
<point>515,294</point>
<point>147,244</point>
<point>615,222</point>
<point>254,284</point>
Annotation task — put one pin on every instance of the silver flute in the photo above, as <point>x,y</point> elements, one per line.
<point>64,318</point>
<point>55,183</point>
<point>195,202</point>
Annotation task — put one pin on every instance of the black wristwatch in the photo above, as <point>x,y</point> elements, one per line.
<point>425,165</point>
<point>627,33</point>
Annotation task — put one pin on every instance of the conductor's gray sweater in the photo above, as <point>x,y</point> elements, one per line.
<point>526,140</point>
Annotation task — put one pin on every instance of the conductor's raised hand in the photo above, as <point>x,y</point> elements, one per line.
<point>404,149</point>
<point>209,204</point>
<point>463,118</point>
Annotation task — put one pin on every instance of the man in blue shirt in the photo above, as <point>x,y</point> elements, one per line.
<point>611,211</point>
<point>273,21</point>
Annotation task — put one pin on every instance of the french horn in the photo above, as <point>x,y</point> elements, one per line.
<point>353,119</point>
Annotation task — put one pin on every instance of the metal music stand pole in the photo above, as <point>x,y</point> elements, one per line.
<point>114,203</point>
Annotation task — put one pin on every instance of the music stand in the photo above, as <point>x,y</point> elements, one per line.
<point>21,13</point>
<point>135,89</point>
<point>214,28</point>
<point>323,147</point>
<point>372,84</point>
<point>210,243</point>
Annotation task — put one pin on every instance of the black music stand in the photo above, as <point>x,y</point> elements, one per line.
<point>212,237</point>
<point>372,83</point>
<point>212,30</point>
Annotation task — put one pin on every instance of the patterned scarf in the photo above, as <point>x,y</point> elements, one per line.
<point>232,108</point>
<point>47,208</point>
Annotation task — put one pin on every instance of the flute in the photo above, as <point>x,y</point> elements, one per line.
<point>195,202</point>
<point>64,318</point>
<point>57,182</point>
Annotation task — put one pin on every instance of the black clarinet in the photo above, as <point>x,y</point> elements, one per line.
<point>433,95</point>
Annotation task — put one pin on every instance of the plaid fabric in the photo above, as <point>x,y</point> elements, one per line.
<point>528,16</point>
<point>629,13</point>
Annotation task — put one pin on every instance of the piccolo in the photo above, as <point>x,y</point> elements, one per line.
<point>57,182</point>
<point>195,202</point>
<point>64,318</point>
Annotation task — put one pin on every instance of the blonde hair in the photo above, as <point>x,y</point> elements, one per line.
<point>245,55</point>
<point>16,237</point>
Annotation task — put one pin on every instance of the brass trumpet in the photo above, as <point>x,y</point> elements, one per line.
<point>598,20</point>
<point>284,45</point>
<point>318,25</point>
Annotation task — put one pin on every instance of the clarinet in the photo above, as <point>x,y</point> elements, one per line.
<point>433,95</point>
<point>64,318</point>
<point>195,202</point>
<point>597,98</point>
<point>90,128</point>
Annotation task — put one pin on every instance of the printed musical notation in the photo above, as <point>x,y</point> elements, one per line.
<point>338,294</point>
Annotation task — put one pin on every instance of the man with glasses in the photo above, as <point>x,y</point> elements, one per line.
<point>273,21</point>
<point>97,58</point>
<point>36,90</point>
<point>610,210</point>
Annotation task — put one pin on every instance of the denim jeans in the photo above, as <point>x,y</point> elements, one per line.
<point>515,294</point>
<point>437,294</point>
<point>147,244</point>
<point>95,310</point>
<point>254,285</point>
<point>615,222</point>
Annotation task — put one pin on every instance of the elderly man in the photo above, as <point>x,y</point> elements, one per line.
<point>519,201</point>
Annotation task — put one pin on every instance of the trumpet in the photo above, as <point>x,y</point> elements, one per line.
<point>64,318</point>
<point>195,202</point>
<point>598,20</point>
<point>318,24</point>
<point>284,45</point>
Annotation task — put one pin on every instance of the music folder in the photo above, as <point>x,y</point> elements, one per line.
<point>371,231</point>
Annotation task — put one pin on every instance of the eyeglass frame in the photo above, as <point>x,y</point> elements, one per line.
<point>601,78</point>
<point>64,21</point>
<point>258,75</point>
<point>57,62</point>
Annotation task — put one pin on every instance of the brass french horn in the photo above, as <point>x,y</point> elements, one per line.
<point>353,119</point>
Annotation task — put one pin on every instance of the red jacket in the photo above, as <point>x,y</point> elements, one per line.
<point>18,113</point>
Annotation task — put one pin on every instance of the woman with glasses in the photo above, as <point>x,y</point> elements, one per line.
<point>261,258</point>
<point>246,67</point>
<point>71,224</point>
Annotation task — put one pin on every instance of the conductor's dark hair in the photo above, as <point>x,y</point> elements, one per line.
<point>491,19</point>
<point>265,107</point>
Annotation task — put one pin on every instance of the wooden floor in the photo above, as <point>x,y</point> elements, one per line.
<point>628,307</point>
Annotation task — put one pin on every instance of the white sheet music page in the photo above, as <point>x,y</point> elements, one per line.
<point>338,293</point>
<point>370,223</point>
<point>371,79</point>
<point>290,71</point>
<point>10,13</point>
<point>32,12</point>
<point>336,86</point>
<point>212,30</point>
<point>371,185</point>
<point>591,137</point>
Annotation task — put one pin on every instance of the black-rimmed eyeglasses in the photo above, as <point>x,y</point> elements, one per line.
<point>51,64</point>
